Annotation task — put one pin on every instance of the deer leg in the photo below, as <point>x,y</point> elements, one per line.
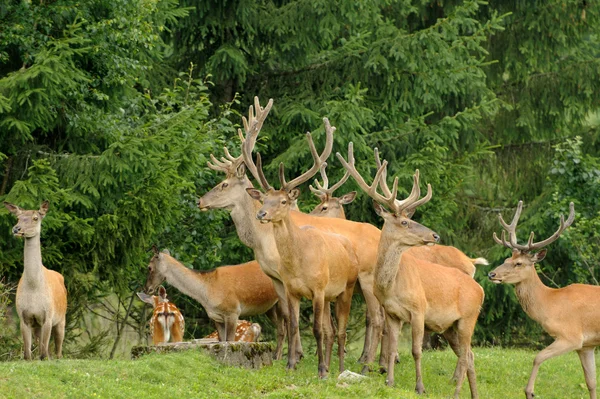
<point>284,307</point>
<point>393,329</point>
<point>293,332</point>
<point>556,348</point>
<point>45,339</point>
<point>385,341</point>
<point>328,333</point>
<point>418,328</point>
<point>59,336</point>
<point>230,327</point>
<point>26,333</point>
<point>221,331</point>
<point>342,312</point>
<point>586,355</point>
<point>318,310</point>
<point>276,318</point>
<point>374,319</point>
<point>452,338</point>
<point>466,359</point>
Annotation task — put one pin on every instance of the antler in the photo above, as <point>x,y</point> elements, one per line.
<point>319,160</point>
<point>227,164</point>
<point>389,196</point>
<point>324,190</point>
<point>252,127</point>
<point>530,246</point>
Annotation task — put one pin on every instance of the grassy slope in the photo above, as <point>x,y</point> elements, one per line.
<point>502,373</point>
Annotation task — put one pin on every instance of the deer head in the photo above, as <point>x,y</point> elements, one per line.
<point>521,264</point>
<point>167,322</point>
<point>29,222</point>
<point>157,269</point>
<point>277,203</point>
<point>231,190</point>
<point>331,206</point>
<point>398,225</point>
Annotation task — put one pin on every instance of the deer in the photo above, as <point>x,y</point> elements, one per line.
<point>226,292</point>
<point>167,323</point>
<point>41,298</point>
<point>571,314</point>
<point>231,194</point>
<point>245,331</point>
<point>316,265</point>
<point>425,294</point>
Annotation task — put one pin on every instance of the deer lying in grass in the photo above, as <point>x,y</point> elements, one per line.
<point>245,331</point>
<point>571,315</point>
<point>319,266</point>
<point>41,298</point>
<point>167,323</point>
<point>226,292</point>
<point>443,299</point>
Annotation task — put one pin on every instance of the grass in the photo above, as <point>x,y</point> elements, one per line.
<point>501,373</point>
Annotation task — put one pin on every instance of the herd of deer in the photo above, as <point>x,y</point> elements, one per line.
<point>404,275</point>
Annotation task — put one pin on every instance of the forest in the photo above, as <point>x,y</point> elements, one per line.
<point>110,110</point>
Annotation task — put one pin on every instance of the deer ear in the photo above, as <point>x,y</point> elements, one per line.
<point>154,249</point>
<point>162,292</point>
<point>539,256</point>
<point>347,198</point>
<point>166,252</point>
<point>15,210</point>
<point>294,194</point>
<point>240,172</point>
<point>145,298</point>
<point>380,210</point>
<point>255,194</point>
<point>44,208</point>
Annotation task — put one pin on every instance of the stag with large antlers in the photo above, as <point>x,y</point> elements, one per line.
<point>426,294</point>
<point>231,194</point>
<point>571,315</point>
<point>325,273</point>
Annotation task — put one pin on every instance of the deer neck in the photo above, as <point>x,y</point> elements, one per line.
<point>193,284</point>
<point>389,255</point>
<point>288,240</point>
<point>532,294</point>
<point>250,231</point>
<point>33,274</point>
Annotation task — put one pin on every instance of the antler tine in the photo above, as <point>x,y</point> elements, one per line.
<point>372,189</point>
<point>318,159</point>
<point>563,226</point>
<point>513,225</point>
<point>503,242</point>
<point>217,165</point>
<point>384,188</point>
<point>321,190</point>
<point>420,202</point>
<point>261,176</point>
<point>252,127</point>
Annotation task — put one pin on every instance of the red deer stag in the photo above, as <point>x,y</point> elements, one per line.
<point>231,194</point>
<point>426,294</point>
<point>245,331</point>
<point>226,292</point>
<point>319,266</point>
<point>571,315</point>
<point>167,323</point>
<point>41,294</point>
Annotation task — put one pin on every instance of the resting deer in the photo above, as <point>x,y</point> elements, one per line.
<point>571,315</point>
<point>41,298</point>
<point>245,331</point>
<point>226,292</point>
<point>167,323</point>
<point>426,294</point>
<point>317,265</point>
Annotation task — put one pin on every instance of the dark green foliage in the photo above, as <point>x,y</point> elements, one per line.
<point>486,99</point>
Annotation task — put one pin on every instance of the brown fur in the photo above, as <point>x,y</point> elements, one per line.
<point>226,292</point>
<point>41,299</point>
<point>245,331</point>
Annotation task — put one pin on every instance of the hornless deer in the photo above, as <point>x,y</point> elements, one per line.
<point>226,292</point>
<point>245,331</point>
<point>317,265</point>
<point>571,315</point>
<point>167,323</point>
<point>426,294</point>
<point>41,298</point>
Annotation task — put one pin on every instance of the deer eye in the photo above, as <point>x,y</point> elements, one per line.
<point>519,264</point>
<point>324,207</point>
<point>283,202</point>
<point>35,218</point>
<point>404,223</point>
<point>224,185</point>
